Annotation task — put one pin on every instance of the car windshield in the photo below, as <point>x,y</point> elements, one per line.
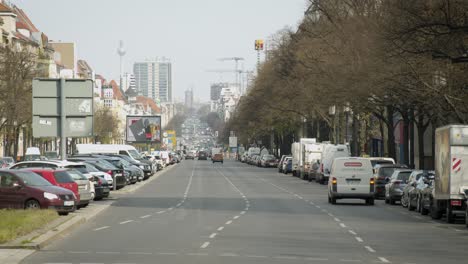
<point>375,162</point>
<point>91,168</point>
<point>32,179</point>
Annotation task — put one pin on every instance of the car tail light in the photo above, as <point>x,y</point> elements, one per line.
<point>110,172</point>
<point>334,181</point>
<point>456,202</point>
<point>372,182</point>
<point>396,183</point>
<point>334,186</point>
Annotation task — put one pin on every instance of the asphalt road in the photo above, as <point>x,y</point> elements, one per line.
<point>201,212</point>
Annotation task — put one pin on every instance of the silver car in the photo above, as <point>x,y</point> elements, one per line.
<point>84,187</point>
<point>395,185</point>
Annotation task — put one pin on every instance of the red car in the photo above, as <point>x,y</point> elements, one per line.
<point>58,177</point>
<point>27,190</point>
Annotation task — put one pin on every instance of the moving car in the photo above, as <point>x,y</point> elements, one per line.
<point>202,155</point>
<point>218,157</point>
<point>287,165</point>
<point>280,163</point>
<point>395,185</point>
<point>27,190</point>
<point>351,178</point>
<point>190,155</point>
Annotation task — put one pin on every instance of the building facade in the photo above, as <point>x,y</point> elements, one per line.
<point>153,79</point>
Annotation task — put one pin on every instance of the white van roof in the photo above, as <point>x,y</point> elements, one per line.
<point>101,148</point>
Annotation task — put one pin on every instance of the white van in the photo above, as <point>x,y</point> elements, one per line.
<point>109,149</point>
<point>351,178</point>
<point>330,152</point>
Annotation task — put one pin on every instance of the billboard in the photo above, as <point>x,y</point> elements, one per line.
<point>171,138</point>
<point>143,129</point>
<point>233,142</point>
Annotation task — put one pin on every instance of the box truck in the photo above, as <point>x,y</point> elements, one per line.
<point>451,173</point>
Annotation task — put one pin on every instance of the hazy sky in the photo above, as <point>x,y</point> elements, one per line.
<point>192,33</point>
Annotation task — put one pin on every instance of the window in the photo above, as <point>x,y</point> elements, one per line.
<point>7,180</point>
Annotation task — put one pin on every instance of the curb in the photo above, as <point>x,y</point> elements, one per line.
<point>62,226</point>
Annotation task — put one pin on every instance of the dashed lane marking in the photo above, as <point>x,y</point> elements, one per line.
<point>359,239</point>
<point>145,216</point>
<point>229,222</point>
<point>101,228</point>
<point>342,225</point>
<point>221,228</point>
<point>337,219</point>
<point>384,260</point>
<point>140,253</point>
<point>235,217</point>
<point>167,253</point>
<point>243,212</point>
<point>352,232</point>
<point>205,245</point>
<point>213,235</point>
<point>126,222</point>
<point>255,256</point>
<point>161,212</point>
<point>370,249</point>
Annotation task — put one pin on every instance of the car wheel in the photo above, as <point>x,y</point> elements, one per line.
<point>329,199</point>
<point>333,200</point>
<point>32,204</point>
<point>370,201</point>
<point>423,210</point>
<point>435,212</point>
<point>405,201</point>
<point>387,201</point>
<point>450,215</point>
<point>410,206</point>
<point>391,201</point>
<point>466,217</point>
<point>63,213</point>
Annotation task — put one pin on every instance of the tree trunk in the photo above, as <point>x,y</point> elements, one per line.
<point>411,138</point>
<point>355,145</point>
<point>391,133</point>
<point>421,130</point>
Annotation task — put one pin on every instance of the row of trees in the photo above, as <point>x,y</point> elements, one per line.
<point>355,69</point>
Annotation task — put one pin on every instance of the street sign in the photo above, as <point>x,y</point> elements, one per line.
<point>233,142</point>
<point>47,112</point>
<point>62,108</point>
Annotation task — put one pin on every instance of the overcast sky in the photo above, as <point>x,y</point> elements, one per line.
<point>192,33</point>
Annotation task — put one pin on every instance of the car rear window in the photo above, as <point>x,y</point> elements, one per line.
<point>375,162</point>
<point>80,168</point>
<point>77,175</point>
<point>386,172</point>
<point>63,177</point>
<point>404,176</point>
<point>269,157</point>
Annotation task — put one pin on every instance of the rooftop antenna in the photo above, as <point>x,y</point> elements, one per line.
<point>121,52</point>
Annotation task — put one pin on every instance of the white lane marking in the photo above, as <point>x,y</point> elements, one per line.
<point>370,249</point>
<point>213,235</point>
<point>140,253</point>
<point>206,244</point>
<point>243,212</point>
<point>352,232</point>
<point>145,216</point>
<point>101,228</point>
<point>458,230</point>
<point>179,204</point>
<point>107,252</point>
<point>318,206</point>
<point>221,228</point>
<point>169,209</point>
<point>167,253</point>
<point>359,239</point>
<point>384,260</point>
<point>332,215</point>
<point>255,256</point>
<point>350,260</point>
<point>126,222</point>
<point>342,225</point>
<point>79,252</point>
<point>229,222</point>
<point>228,255</point>
<point>197,254</point>
<point>235,217</point>
<point>161,212</point>
<point>317,259</point>
<point>285,257</point>
<point>337,219</point>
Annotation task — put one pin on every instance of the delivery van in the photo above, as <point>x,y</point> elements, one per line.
<point>351,178</point>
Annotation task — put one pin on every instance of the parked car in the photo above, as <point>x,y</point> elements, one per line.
<point>410,192</point>
<point>395,185</point>
<point>268,161</point>
<point>427,195</point>
<point>280,163</point>
<point>24,189</point>
<point>382,172</point>
<point>106,167</point>
<point>85,186</point>
<point>351,178</point>
<point>60,178</point>
<point>144,165</point>
<point>287,165</point>
<point>4,164</point>
<point>414,195</point>
<point>101,187</point>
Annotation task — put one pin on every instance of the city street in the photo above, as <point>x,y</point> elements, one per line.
<point>201,212</point>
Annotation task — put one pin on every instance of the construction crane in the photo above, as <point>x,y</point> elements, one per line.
<point>238,73</point>
<point>236,69</point>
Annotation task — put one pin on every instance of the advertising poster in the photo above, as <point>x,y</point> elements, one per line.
<point>143,129</point>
